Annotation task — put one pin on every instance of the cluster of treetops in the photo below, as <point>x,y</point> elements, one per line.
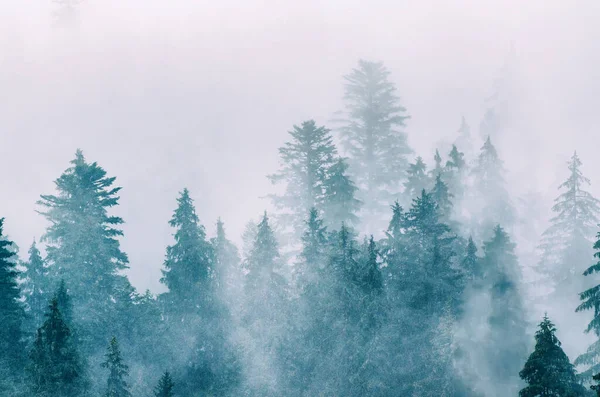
<point>307,308</point>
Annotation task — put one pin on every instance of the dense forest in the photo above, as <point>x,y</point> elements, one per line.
<point>375,275</point>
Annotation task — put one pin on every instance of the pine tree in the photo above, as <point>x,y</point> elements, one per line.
<point>494,202</point>
<point>305,163</point>
<point>56,368</point>
<point>507,315</point>
<point>165,386</point>
<point>373,135</point>
<point>116,386</point>
<point>189,262</point>
<point>416,179</point>
<point>35,285</point>
<point>12,313</point>
<point>64,302</point>
<point>339,203</point>
<point>591,301</point>
<point>438,169</point>
<point>567,244</point>
<point>227,257</point>
<point>83,246</point>
<point>314,249</point>
<point>548,371</point>
<point>471,264</point>
<point>443,198</point>
<point>455,171</point>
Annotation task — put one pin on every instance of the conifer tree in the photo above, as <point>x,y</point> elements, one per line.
<point>471,262</point>
<point>189,262</point>
<point>83,246</point>
<point>596,387</point>
<point>373,135</point>
<point>305,163</point>
<point>12,313</point>
<point>507,315</point>
<point>35,285</point>
<point>165,386</point>
<point>416,179</point>
<point>227,257</point>
<point>443,198</point>
<point>494,202</point>
<point>339,203</point>
<point>464,139</point>
<point>455,172</point>
<point>65,304</point>
<point>548,371</point>
<point>314,249</point>
<point>56,368</point>
<point>591,301</point>
<point>438,169</point>
<point>116,386</point>
<point>567,244</point>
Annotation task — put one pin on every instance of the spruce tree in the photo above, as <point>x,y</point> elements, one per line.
<point>227,257</point>
<point>464,139</point>
<point>373,136</point>
<point>314,249</point>
<point>56,368</point>
<point>591,301</point>
<point>165,386</point>
<point>416,179</point>
<point>339,202</point>
<point>83,247</point>
<point>567,244</point>
<point>65,304</point>
<point>507,314</point>
<point>116,386</point>
<point>189,262</point>
<point>548,371</point>
<point>443,198</point>
<point>493,201</point>
<point>438,169</point>
<point>12,313</point>
<point>471,264</point>
<point>455,172</point>
<point>305,164</point>
<point>35,285</point>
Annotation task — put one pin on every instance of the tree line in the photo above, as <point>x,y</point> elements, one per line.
<point>373,276</point>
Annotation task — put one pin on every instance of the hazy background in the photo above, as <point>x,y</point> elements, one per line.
<point>167,94</point>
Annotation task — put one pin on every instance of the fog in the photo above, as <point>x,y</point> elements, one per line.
<point>197,94</point>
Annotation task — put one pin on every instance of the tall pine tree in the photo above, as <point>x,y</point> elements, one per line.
<point>373,136</point>
<point>83,247</point>
<point>12,313</point>
<point>417,179</point>
<point>189,262</point>
<point>305,163</point>
<point>339,203</point>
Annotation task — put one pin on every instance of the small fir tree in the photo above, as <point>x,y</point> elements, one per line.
<point>116,386</point>
<point>548,371</point>
<point>165,386</point>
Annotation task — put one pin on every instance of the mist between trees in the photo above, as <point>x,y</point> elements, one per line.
<point>375,275</point>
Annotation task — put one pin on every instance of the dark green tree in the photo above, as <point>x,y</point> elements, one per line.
<point>12,313</point>
<point>305,165</point>
<point>56,368</point>
<point>548,371</point>
<point>339,203</point>
<point>373,135</point>
<point>471,263</point>
<point>596,387</point>
<point>416,179</point>
<point>118,371</point>
<point>165,386</point>
<point>188,266</point>
<point>35,286</point>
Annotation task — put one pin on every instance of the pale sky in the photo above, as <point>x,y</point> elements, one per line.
<point>198,94</point>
